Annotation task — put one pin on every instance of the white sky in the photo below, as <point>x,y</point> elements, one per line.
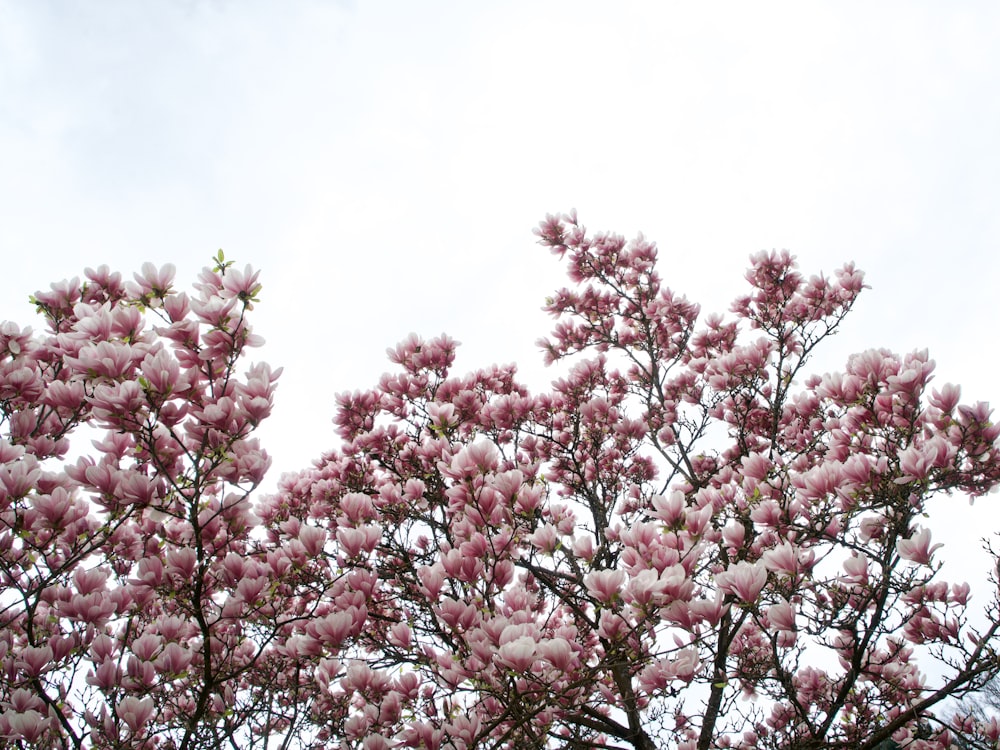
<point>384,163</point>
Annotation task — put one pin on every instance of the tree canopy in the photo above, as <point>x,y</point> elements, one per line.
<point>688,541</point>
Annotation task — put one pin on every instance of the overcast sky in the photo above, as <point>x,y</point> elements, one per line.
<point>384,163</point>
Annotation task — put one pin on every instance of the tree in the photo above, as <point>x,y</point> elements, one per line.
<point>688,542</point>
<point>137,611</point>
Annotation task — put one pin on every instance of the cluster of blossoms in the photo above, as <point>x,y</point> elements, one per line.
<point>688,542</point>
<point>136,610</point>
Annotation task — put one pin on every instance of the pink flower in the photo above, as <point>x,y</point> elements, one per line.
<point>744,580</point>
<point>604,585</point>
<point>457,614</point>
<point>558,652</point>
<point>163,374</point>
<point>655,676</point>
<point>686,664</point>
<point>917,548</point>
<point>153,281</point>
<point>856,567</point>
<point>400,635</point>
<point>35,660</point>
<point>357,507</point>
<point>662,672</point>
<point>362,540</point>
<point>917,460</point>
<point>359,676</point>
<point>669,509</point>
<point>709,610</point>
<point>767,513</point>
<point>135,712</point>
<point>756,466</point>
<point>146,646</point>
<point>546,539</point>
<point>783,559</point>
<point>432,578</point>
<point>442,415</point>
<point>733,534</point>
<point>28,726</point>
<point>947,399</point>
<point>584,547</point>
<point>312,539</point>
<point>518,654</point>
<point>332,629</point>
<point>241,284</point>
<point>375,742</point>
<point>781,615</point>
<point>477,458</point>
<point>182,562</point>
<point>174,659</point>
<point>612,626</point>
<point>22,700</point>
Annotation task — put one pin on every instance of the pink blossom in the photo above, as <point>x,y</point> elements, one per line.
<point>28,726</point>
<point>476,459</point>
<point>22,700</point>
<point>660,673</point>
<point>357,507</point>
<point>312,539</point>
<point>35,660</point>
<point>918,459</point>
<point>432,579</point>
<point>182,562</point>
<point>359,541</point>
<point>558,652</point>
<point>546,539</point>
<point>153,281</point>
<point>917,548</point>
<point>584,547</point>
<point>241,284</point>
<point>960,593</point>
<point>457,614</point>
<point>767,513</point>
<point>442,415</point>
<point>105,675</point>
<point>670,508</point>
<point>857,567</point>
<point>697,520</point>
<point>756,466</point>
<point>612,626</point>
<point>174,659</point>
<point>375,742</point>
<point>709,610</point>
<point>743,579</point>
<point>733,534</point>
<point>686,664</point>
<point>783,559</point>
<point>359,676</point>
<point>947,398</point>
<point>518,654</point>
<point>135,712</point>
<point>781,615</point>
<point>146,646</point>
<point>400,635</point>
<point>605,585</point>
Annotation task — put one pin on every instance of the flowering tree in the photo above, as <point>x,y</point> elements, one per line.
<point>689,542</point>
<point>136,611</point>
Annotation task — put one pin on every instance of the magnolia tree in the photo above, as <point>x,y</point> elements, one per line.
<point>136,610</point>
<point>689,542</point>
